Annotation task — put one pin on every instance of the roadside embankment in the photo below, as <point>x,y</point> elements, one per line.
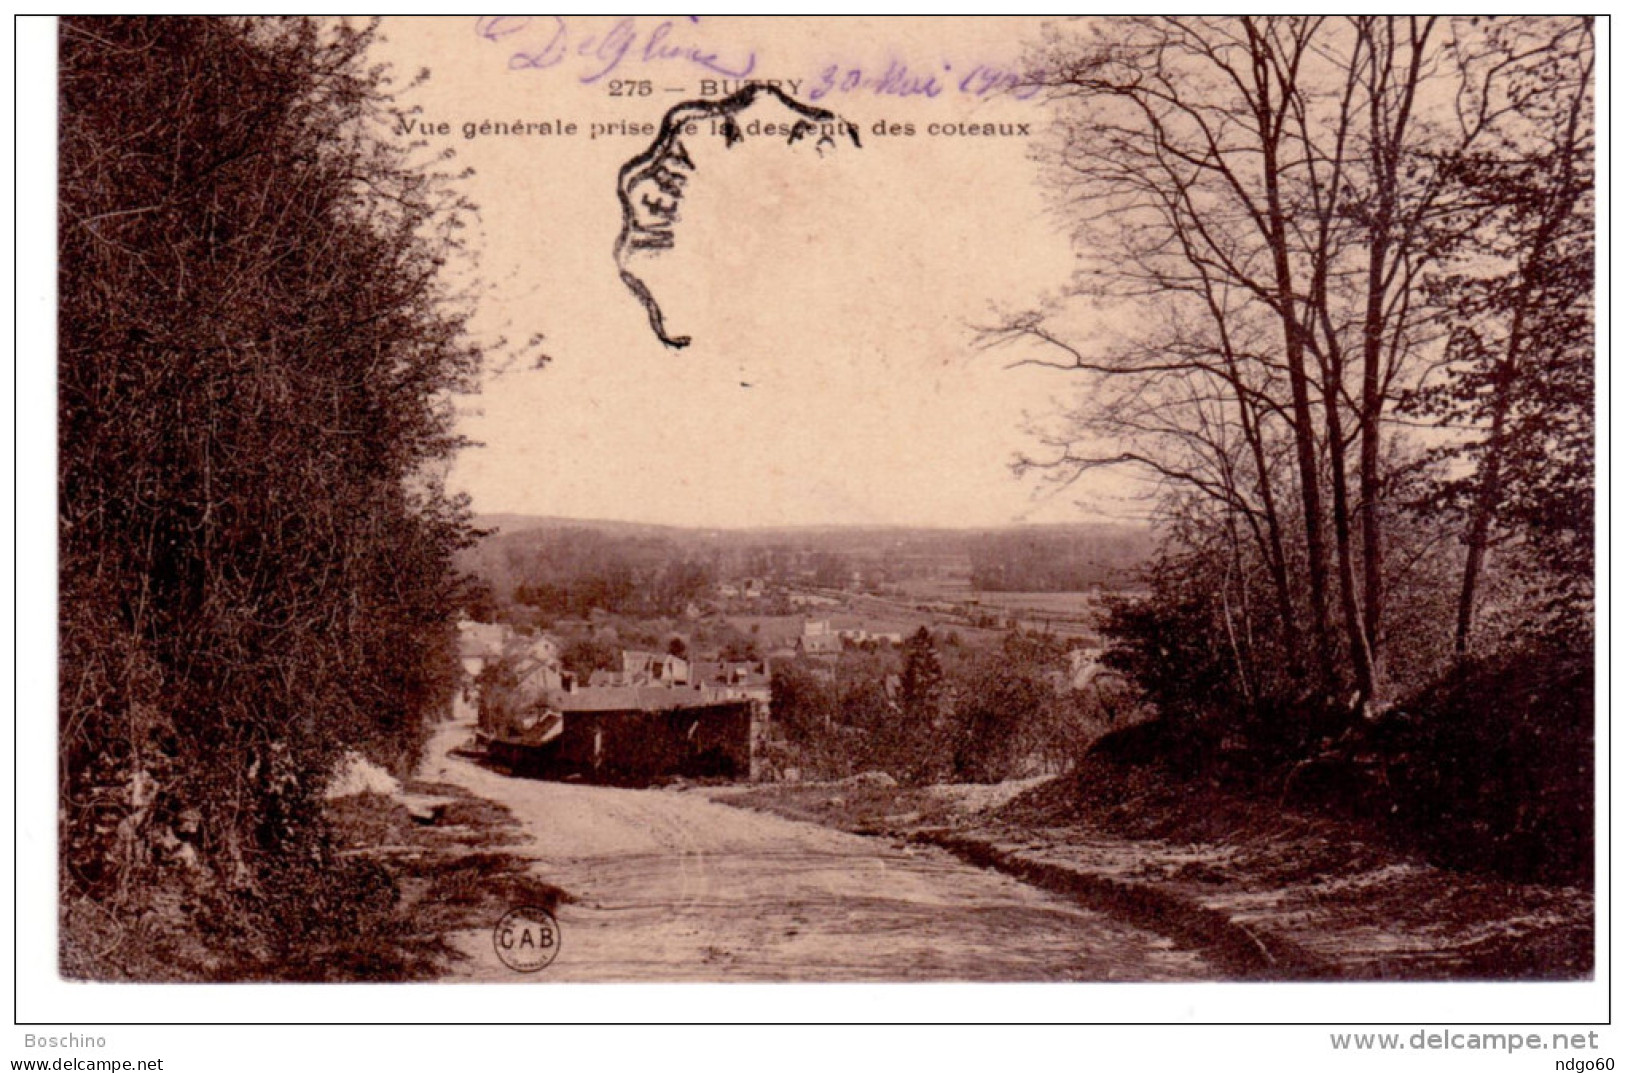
<point>1258,888</point>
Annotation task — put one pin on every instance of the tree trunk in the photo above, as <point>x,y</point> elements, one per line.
<point>1353,626</point>
<point>1487,498</point>
<point>1275,556</point>
<point>1303,427</point>
<point>1371,406</point>
<point>1387,140</point>
<point>1271,545</point>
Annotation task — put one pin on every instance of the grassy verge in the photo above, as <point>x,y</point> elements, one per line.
<point>460,873</point>
<point>379,911</point>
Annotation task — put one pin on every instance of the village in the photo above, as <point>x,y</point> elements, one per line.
<point>691,709</point>
<point>626,654</point>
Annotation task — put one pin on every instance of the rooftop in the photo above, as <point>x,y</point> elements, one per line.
<point>638,698</point>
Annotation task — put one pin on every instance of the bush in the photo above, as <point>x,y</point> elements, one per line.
<point>1489,769</point>
<point>1493,767</point>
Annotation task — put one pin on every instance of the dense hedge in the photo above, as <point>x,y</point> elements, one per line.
<point>255,366</point>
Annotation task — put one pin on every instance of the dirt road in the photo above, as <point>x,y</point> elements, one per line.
<point>668,885</point>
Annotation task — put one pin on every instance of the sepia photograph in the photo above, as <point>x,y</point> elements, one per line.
<point>622,500</point>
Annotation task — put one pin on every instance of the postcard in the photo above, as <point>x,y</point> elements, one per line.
<point>1101,500</point>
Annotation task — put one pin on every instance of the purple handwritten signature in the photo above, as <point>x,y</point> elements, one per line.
<point>545,42</point>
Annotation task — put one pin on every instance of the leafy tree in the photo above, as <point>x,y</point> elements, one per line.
<point>924,688</point>
<point>479,601</point>
<point>1000,719</point>
<point>1520,364</point>
<point>256,360</point>
<point>740,649</point>
<point>805,707</point>
<point>1166,643</point>
<point>830,570</point>
<point>497,686</point>
<point>583,655</point>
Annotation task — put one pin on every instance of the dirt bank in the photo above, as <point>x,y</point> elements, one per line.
<point>1259,891</point>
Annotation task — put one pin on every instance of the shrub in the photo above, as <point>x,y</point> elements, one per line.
<point>1493,767</point>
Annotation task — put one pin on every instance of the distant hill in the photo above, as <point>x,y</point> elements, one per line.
<point>526,549</point>
<point>518,523</point>
<point>1056,559</point>
<point>515,523</point>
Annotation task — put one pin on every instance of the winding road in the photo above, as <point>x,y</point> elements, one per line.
<point>671,886</point>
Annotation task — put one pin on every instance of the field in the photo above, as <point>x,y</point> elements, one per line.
<point>769,631</point>
<point>927,590</point>
<point>1059,612</point>
<point>1068,604</point>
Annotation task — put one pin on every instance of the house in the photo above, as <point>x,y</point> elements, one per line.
<point>545,647</point>
<point>818,639</point>
<point>532,667</point>
<point>518,684</point>
<point>821,644</point>
<point>748,679</point>
<point>859,636</point>
<point>537,677</point>
<point>653,668</point>
<point>632,734</point>
<point>479,643</point>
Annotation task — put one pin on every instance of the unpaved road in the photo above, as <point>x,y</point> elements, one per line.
<point>668,885</point>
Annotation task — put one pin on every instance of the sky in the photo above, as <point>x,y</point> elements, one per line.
<point>831,292</point>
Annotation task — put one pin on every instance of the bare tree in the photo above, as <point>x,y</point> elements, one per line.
<point>1226,174</point>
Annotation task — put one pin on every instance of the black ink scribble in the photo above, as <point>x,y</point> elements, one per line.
<point>650,185</point>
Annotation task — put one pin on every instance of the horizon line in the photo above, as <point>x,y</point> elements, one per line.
<point>1144,524</point>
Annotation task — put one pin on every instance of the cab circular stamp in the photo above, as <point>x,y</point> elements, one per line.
<point>527,938</point>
